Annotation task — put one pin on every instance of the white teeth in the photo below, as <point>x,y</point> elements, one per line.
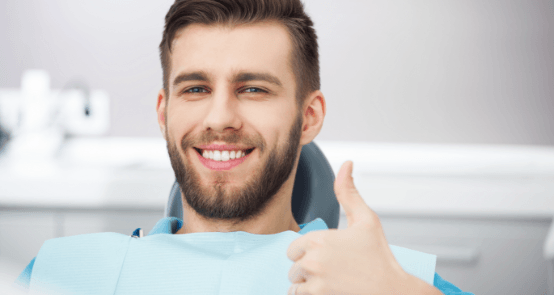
<point>223,155</point>
<point>217,156</point>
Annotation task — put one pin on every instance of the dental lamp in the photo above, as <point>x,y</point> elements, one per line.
<point>38,119</point>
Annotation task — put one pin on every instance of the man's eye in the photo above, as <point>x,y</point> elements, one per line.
<point>195,90</point>
<point>252,90</point>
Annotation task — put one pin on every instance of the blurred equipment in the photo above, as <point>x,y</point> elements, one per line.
<point>3,139</point>
<point>38,119</point>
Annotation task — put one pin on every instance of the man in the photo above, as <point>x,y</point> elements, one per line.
<point>240,98</point>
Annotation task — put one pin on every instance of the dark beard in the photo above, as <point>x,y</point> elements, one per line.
<point>241,204</point>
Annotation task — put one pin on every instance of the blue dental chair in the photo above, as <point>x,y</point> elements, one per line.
<point>313,195</point>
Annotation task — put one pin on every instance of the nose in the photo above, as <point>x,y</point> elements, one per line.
<point>223,112</point>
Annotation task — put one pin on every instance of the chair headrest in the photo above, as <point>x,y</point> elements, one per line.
<point>313,194</point>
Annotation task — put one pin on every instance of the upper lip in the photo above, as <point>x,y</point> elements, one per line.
<point>224,147</point>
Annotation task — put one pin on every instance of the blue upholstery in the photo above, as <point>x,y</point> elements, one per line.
<point>313,195</point>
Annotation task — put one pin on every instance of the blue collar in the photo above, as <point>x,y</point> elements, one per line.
<point>170,225</point>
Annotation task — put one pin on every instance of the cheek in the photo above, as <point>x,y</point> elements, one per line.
<point>272,122</point>
<point>265,119</point>
<point>272,113</point>
<point>177,122</point>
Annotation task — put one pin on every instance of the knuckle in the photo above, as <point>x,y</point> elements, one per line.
<point>313,244</point>
<point>372,221</point>
<point>315,241</point>
<point>312,265</point>
<point>297,273</point>
<point>375,221</point>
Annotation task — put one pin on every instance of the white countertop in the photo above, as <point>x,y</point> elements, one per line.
<point>439,179</point>
<point>91,173</point>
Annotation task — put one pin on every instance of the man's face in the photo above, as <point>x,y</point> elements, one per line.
<point>235,87</point>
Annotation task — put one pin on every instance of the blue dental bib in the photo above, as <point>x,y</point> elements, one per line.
<point>197,263</point>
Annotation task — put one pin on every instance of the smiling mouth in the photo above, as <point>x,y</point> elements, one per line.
<point>223,155</point>
<point>217,160</point>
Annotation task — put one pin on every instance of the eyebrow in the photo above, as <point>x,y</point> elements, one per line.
<point>193,76</point>
<point>245,77</point>
<point>238,78</point>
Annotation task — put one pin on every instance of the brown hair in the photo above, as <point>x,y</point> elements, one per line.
<point>305,58</point>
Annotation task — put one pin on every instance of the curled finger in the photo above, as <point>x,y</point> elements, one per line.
<point>297,274</point>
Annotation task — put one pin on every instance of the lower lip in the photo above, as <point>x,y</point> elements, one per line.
<point>220,165</point>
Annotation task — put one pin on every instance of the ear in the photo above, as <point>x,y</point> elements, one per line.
<point>160,109</point>
<point>314,110</point>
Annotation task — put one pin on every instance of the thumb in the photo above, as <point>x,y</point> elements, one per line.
<point>347,195</point>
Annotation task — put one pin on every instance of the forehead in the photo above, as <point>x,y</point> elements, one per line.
<point>223,50</point>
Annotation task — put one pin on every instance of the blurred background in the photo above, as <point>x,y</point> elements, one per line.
<point>446,108</point>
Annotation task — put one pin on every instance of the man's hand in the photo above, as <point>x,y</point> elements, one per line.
<point>356,260</point>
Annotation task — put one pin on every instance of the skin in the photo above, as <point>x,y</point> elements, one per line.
<point>221,52</point>
<point>356,260</point>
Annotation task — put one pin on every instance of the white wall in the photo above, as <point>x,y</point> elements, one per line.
<point>445,71</point>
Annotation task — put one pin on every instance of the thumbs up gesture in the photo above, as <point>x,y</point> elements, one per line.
<point>355,260</point>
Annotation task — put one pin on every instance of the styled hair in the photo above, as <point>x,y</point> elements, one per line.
<point>304,58</point>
